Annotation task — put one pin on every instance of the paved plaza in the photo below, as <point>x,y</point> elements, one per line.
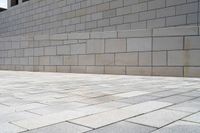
<point>75,103</point>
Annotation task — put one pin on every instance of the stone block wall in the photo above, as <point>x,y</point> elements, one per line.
<point>64,16</point>
<point>160,52</point>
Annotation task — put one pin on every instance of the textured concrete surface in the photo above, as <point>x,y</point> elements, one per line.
<point>75,103</point>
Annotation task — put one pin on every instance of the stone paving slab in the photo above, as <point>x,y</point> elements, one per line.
<point>159,118</point>
<point>64,127</point>
<point>193,118</point>
<point>56,102</point>
<point>124,127</point>
<point>10,128</point>
<point>180,127</point>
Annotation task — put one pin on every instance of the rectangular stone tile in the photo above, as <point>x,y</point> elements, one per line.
<point>63,69</point>
<point>189,106</point>
<point>138,99</point>
<point>192,71</point>
<point>46,120</point>
<point>123,127</point>
<point>15,116</point>
<point>184,58</point>
<point>61,128</point>
<point>107,34</point>
<point>192,94</point>
<point>86,59</point>
<point>165,93</point>
<point>105,59</point>
<point>145,58</point>
<point>71,60</point>
<point>180,126</point>
<point>115,70</point>
<point>126,59</point>
<point>113,104</point>
<point>135,33</point>
<point>160,58</point>
<point>131,94</point>
<point>57,108</point>
<point>63,50</point>
<point>168,71</point>
<point>115,45</point>
<point>145,71</point>
<point>50,50</point>
<point>78,49</point>
<point>176,31</point>
<point>105,118</point>
<point>10,128</point>
<point>56,60</point>
<point>192,42</point>
<point>95,69</point>
<point>175,99</point>
<point>147,106</point>
<point>168,43</point>
<point>95,46</point>
<point>193,118</point>
<point>158,118</point>
<point>78,36</point>
<point>139,44</point>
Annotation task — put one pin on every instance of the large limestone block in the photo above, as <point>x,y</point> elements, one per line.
<point>115,45</point>
<point>126,59</point>
<point>71,60</point>
<point>146,71</point>
<point>86,60</point>
<point>168,43</point>
<point>135,33</point>
<point>56,60</point>
<point>192,42</point>
<point>115,70</point>
<point>139,44</point>
<point>95,46</point>
<point>78,48</point>
<point>63,50</point>
<point>192,71</point>
<point>176,31</point>
<point>95,69</point>
<point>145,58</point>
<point>184,58</point>
<point>168,71</point>
<point>44,60</point>
<point>107,34</point>
<point>50,50</point>
<point>105,59</point>
<point>65,69</point>
<point>78,36</point>
<point>160,58</point>
<point>78,69</point>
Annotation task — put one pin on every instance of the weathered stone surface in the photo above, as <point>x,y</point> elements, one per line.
<point>126,59</point>
<point>139,44</point>
<point>115,45</point>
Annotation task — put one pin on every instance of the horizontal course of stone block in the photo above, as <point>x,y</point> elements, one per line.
<point>65,16</point>
<point>173,51</point>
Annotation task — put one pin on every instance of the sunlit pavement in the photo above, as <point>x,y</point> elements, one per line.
<point>76,103</point>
